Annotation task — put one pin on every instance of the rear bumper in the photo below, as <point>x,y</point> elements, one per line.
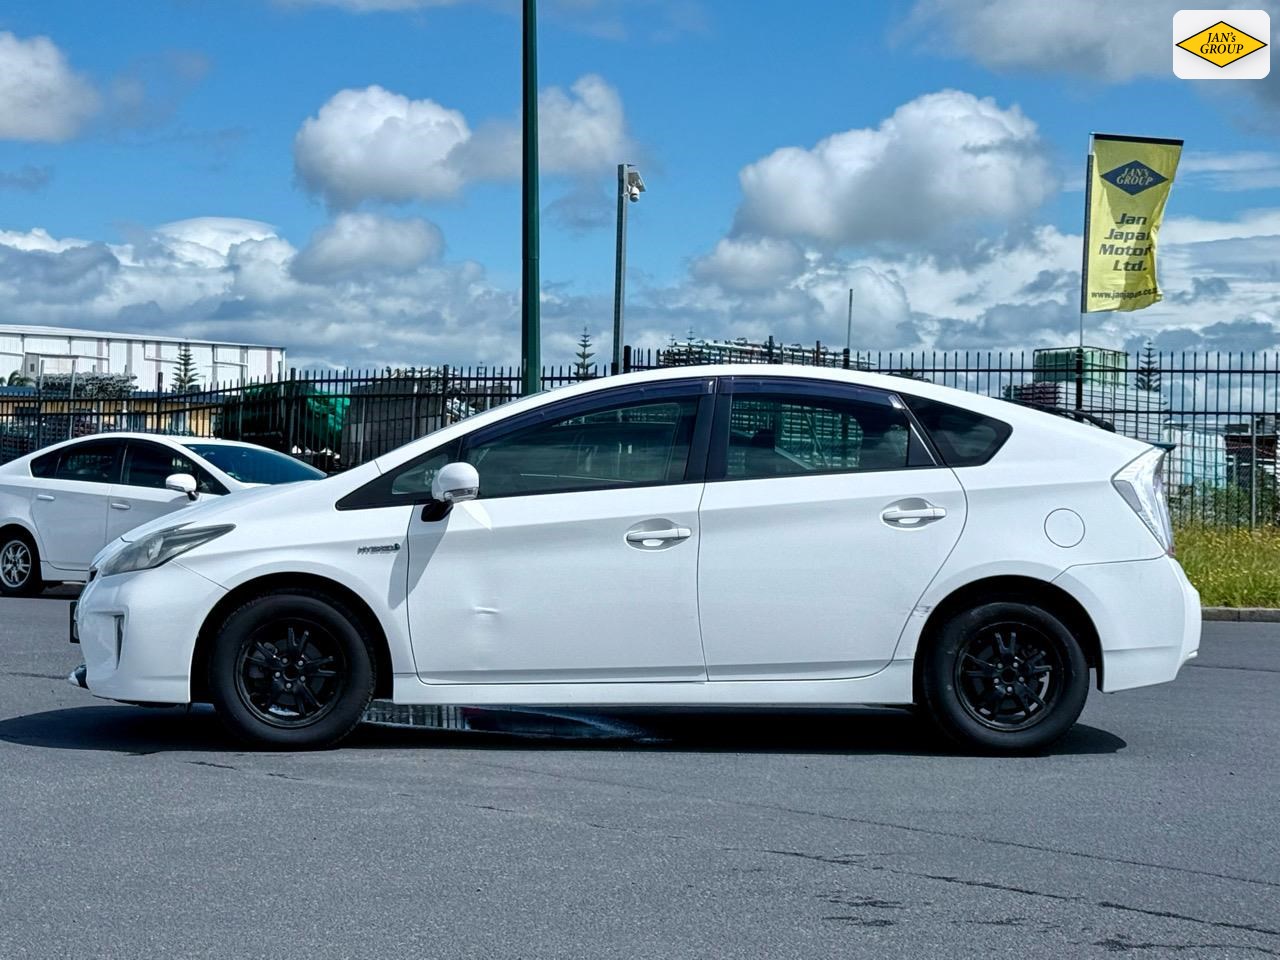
<point>138,632</point>
<point>1147,615</point>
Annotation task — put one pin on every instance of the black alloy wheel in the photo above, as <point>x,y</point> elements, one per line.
<point>1003,677</point>
<point>289,672</point>
<point>291,669</point>
<point>1009,675</point>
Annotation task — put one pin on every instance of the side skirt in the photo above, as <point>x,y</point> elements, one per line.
<point>891,686</point>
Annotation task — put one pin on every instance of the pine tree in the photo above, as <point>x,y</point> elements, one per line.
<point>1148,377</point>
<point>582,369</point>
<point>185,376</point>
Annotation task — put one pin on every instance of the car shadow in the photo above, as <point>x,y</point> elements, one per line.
<point>142,731</point>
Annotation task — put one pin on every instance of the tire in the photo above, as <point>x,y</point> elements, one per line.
<point>291,670</point>
<point>1004,677</point>
<point>19,565</point>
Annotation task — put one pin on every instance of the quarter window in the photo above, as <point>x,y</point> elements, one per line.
<point>639,443</point>
<point>963,438</point>
<point>777,435</point>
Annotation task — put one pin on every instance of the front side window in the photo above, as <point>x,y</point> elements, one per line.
<point>779,435</point>
<point>150,465</point>
<point>95,462</point>
<point>636,443</point>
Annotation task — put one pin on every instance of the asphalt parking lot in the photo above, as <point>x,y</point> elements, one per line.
<point>1150,831</point>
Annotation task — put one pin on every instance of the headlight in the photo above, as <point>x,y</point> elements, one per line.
<point>1142,487</point>
<point>160,547</point>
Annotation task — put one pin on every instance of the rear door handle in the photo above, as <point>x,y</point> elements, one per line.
<point>46,496</point>
<point>117,505</point>
<point>912,513</point>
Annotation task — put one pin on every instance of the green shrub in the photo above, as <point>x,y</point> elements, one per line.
<point>1232,567</point>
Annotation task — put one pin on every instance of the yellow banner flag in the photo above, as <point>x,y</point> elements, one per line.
<point>1128,184</point>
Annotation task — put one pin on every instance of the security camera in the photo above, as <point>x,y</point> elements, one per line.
<point>633,193</point>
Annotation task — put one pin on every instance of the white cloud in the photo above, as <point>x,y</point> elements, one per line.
<point>942,160</point>
<point>357,244</point>
<point>234,279</point>
<point>1232,171</point>
<point>750,263</point>
<point>373,144</point>
<point>41,96</point>
<point>1097,41</point>
<point>1091,38</point>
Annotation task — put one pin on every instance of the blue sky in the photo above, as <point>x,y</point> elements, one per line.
<point>191,113</point>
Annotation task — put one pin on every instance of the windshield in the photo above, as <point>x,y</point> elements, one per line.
<point>255,464</point>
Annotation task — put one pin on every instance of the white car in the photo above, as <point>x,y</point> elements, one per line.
<point>699,536</point>
<point>60,505</point>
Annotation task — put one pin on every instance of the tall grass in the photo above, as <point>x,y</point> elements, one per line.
<point>1232,567</point>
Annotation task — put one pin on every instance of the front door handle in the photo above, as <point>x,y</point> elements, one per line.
<point>658,538</point>
<point>46,496</point>
<point>117,505</point>
<point>911,513</point>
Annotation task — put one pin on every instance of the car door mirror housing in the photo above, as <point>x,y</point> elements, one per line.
<point>455,483</point>
<point>182,483</point>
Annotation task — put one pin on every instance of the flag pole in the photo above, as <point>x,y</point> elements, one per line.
<point>1084,275</point>
<point>1084,241</point>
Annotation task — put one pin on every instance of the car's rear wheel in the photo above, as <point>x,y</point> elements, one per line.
<point>1004,677</point>
<point>19,565</point>
<point>291,670</point>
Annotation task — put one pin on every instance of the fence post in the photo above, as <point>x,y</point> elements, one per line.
<point>844,362</point>
<point>1079,378</point>
<point>1253,472</point>
<point>626,359</point>
<point>769,349</point>
<point>444,394</point>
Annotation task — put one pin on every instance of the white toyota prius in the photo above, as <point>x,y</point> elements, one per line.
<point>700,536</point>
<point>61,504</point>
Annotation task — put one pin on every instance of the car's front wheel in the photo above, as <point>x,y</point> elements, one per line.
<point>19,565</point>
<point>291,670</point>
<point>1004,677</point>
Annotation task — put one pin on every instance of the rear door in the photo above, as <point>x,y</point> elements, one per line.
<point>824,519</point>
<point>141,494</point>
<point>69,506</point>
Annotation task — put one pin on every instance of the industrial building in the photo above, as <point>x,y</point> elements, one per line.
<point>36,351</point>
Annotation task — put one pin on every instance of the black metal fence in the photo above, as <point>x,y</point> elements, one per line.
<point>1218,411</point>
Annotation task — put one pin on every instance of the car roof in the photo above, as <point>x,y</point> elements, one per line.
<point>172,439</point>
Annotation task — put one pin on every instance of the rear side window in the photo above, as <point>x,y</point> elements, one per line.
<point>97,461</point>
<point>963,438</point>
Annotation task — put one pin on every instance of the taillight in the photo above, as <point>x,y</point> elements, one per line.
<point>1141,484</point>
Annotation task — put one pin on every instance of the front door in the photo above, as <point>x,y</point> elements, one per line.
<point>579,561</point>
<point>824,520</point>
<point>141,495</point>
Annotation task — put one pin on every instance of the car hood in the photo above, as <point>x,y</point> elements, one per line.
<point>217,509</point>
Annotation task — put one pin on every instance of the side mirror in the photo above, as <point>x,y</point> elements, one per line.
<point>182,483</point>
<point>455,483</point>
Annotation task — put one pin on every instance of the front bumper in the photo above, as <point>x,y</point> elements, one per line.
<point>138,632</point>
<point>1147,615</point>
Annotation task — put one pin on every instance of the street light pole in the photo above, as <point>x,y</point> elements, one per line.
<point>530,287</point>
<point>630,186</point>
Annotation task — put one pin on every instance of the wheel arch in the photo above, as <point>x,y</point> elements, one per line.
<point>1015,589</point>
<point>242,593</point>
